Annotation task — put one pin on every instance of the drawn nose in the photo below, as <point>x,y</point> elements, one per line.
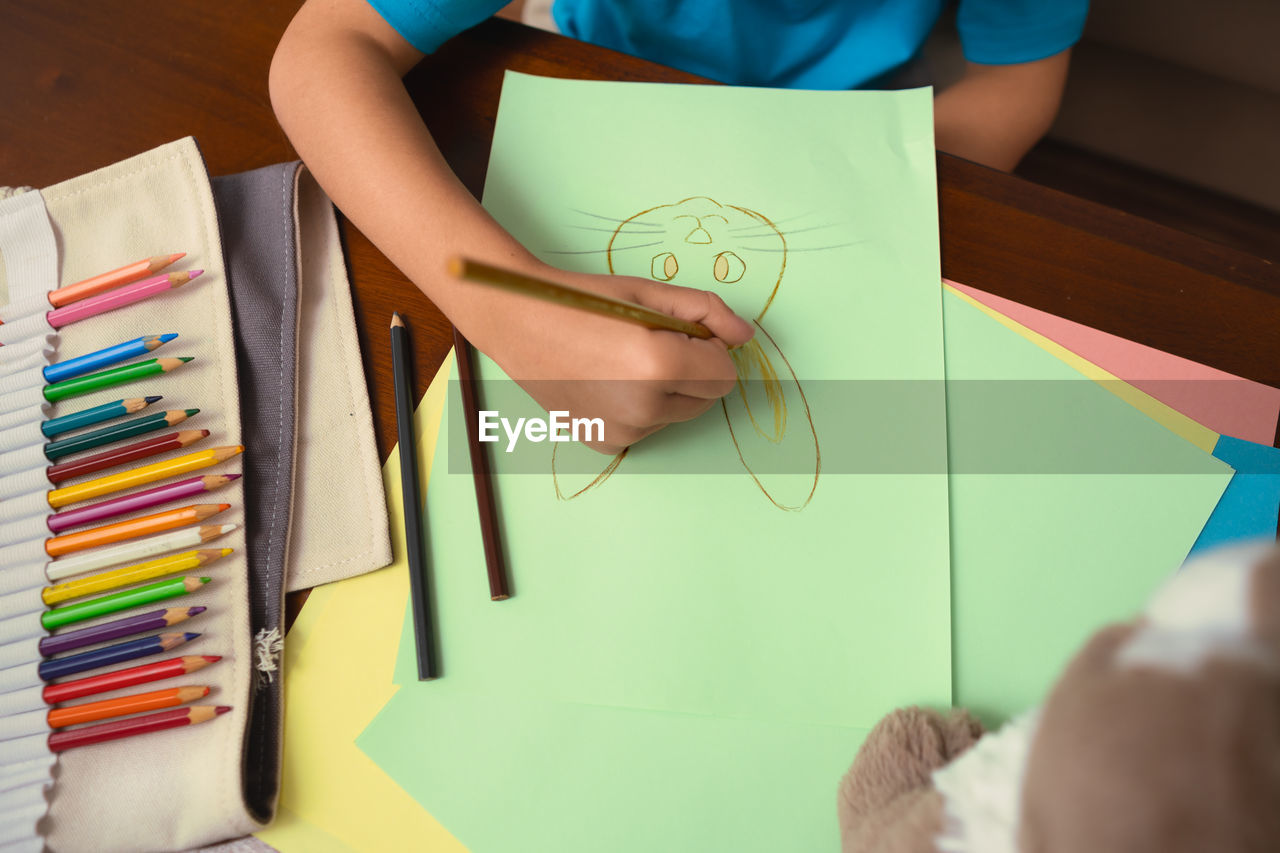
<point>698,235</point>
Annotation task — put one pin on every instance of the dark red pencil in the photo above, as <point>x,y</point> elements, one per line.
<point>121,455</point>
<point>176,718</point>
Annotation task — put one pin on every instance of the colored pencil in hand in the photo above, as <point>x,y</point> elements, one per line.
<point>121,678</point>
<point>95,415</point>
<point>550,291</point>
<point>140,476</point>
<point>128,575</point>
<point>111,280</point>
<point>115,629</point>
<point>122,455</point>
<point>138,549</point>
<point>83,364</point>
<point>172,719</point>
<point>55,450</point>
<point>480,473</point>
<point>132,528</point>
<point>115,376</point>
<point>401,364</point>
<point>118,298</point>
<point>117,601</point>
<point>109,655</point>
<point>60,522</point>
<point>105,709</point>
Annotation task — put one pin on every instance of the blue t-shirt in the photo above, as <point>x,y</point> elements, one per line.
<point>803,44</point>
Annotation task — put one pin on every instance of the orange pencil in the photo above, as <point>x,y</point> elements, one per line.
<point>110,280</point>
<point>131,529</point>
<point>88,712</point>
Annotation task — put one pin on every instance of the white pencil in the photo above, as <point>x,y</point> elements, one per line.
<point>101,558</point>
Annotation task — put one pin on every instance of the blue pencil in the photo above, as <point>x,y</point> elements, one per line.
<point>83,364</point>
<point>95,415</point>
<point>107,655</point>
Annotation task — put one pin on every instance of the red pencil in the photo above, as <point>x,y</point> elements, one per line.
<point>121,455</point>
<point>178,717</point>
<point>116,679</point>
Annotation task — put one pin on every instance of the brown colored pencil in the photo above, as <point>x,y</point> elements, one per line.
<point>498,589</point>
<point>121,455</point>
<point>105,709</point>
<point>131,528</point>
<point>172,719</point>
<point>550,291</point>
<point>110,280</point>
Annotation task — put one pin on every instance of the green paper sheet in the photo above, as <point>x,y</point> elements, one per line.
<point>683,663</point>
<point>1040,561</point>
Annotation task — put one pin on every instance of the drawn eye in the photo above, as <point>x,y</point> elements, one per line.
<point>664,267</point>
<point>729,267</point>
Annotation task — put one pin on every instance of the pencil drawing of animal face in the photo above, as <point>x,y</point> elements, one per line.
<point>698,242</point>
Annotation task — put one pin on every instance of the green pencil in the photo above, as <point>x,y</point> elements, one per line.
<point>103,605</point>
<point>66,446</point>
<point>115,376</point>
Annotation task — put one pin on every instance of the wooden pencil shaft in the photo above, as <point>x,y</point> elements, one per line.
<point>95,415</point>
<point>114,376</point>
<point>550,291</point>
<point>401,362</point>
<point>117,601</point>
<point>171,719</point>
<point>127,274</point>
<point>114,456</point>
<point>120,678</point>
<point>116,432</point>
<point>111,655</point>
<point>105,709</point>
<point>132,528</point>
<point>112,483</point>
<point>481,475</point>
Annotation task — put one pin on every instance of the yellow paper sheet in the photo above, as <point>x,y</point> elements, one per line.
<point>339,657</point>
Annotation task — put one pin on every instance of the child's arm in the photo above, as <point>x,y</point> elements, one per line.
<point>336,89</point>
<point>995,113</point>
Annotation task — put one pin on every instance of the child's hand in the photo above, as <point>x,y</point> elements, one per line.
<point>637,380</point>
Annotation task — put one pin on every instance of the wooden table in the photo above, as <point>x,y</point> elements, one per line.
<point>83,85</point>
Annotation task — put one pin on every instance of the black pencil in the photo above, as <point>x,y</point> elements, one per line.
<point>402,369</point>
<point>498,589</point>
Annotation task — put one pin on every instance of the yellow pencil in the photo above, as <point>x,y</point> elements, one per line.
<point>144,474</point>
<point>103,581</point>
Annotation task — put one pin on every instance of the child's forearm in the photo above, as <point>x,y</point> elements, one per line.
<point>338,94</point>
<point>995,113</point>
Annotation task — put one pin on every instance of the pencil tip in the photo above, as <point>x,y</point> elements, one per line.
<point>193,273</point>
<point>211,658</point>
<point>152,399</point>
<point>396,319</point>
<point>196,611</point>
<point>189,636</point>
<point>222,507</point>
<point>221,709</point>
<point>177,256</point>
<point>231,477</point>
<point>190,412</point>
<point>204,433</point>
<point>168,336</point>
<point>204,580</point>
<point>185,358</point>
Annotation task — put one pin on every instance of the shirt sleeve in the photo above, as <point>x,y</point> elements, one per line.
<point>1003,32</point>
<point>427,24</point>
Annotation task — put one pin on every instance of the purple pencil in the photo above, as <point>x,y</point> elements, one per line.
<point>116,629</point>
<point>93,513</point>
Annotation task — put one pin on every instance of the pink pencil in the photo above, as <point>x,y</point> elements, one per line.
<point>93,513</point>
<point>118,298</point>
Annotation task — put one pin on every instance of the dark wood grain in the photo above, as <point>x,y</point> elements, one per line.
<point>83,85</point>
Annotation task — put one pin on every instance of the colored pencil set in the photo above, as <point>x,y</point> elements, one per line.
<point>108,559</point>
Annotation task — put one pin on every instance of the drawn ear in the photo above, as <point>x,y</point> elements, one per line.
<point>780,449</point>
<point>761,393</point>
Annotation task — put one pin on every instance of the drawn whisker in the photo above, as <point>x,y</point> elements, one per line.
<point>806,249</point>
<point>614,230</point>
<point>610,218</point>
<point>602,251</point>
<point>784,233</point>
<point>756,225</point>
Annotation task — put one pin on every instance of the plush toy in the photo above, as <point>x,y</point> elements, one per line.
<point>1162,736</point>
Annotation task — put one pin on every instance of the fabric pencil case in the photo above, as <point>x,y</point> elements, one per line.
<point>276,369</point>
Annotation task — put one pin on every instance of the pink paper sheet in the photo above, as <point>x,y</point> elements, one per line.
<point>1224,403</point>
